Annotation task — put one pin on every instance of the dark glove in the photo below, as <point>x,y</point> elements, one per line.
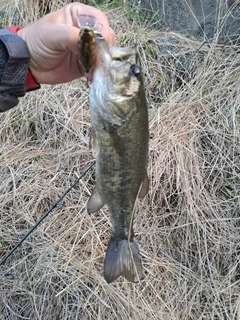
<point>14,61</point>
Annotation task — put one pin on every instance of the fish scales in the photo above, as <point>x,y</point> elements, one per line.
<point>119,143</point>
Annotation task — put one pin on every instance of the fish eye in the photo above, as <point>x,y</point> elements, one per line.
<point>135,70</point>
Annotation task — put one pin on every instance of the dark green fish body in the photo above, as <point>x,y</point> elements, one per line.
<point>119,142</point>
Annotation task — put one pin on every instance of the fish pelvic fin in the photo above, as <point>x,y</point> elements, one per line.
<point>95,202</point>
<point>93,145</point>
<point>122,258</point>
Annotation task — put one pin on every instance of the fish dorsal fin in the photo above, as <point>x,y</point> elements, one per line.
<point>95,202</point>
<point>144,187</point>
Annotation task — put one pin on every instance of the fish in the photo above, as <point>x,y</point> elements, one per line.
<point>119,142</point>
<point>89,32</point>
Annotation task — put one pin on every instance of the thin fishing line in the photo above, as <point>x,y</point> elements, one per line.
<point>45,215</point>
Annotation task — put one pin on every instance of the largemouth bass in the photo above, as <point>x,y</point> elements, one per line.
<point>119,142</point>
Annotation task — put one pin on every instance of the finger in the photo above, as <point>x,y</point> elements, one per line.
<point>67,38</point>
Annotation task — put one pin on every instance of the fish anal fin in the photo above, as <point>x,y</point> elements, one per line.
<point>144,187</point>
<point>95,202</point>
<point>122,258</point>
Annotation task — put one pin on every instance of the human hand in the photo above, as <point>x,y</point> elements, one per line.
<point>53,43</point>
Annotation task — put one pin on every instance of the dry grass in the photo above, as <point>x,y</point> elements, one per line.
<point>187,227</point>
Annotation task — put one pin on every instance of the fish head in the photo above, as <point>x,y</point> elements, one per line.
<point>124,72</point>
<point>120,68</point>
<point>117,86</point>
<point>125,83</point>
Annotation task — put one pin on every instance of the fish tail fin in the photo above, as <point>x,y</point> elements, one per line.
<point>122,258</point>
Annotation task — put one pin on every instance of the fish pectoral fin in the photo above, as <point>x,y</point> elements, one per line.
<point>122,258</point>
<point>115,141</point>
<point>95,202</point>
<point>93,143</point>
<point>144,187</point>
